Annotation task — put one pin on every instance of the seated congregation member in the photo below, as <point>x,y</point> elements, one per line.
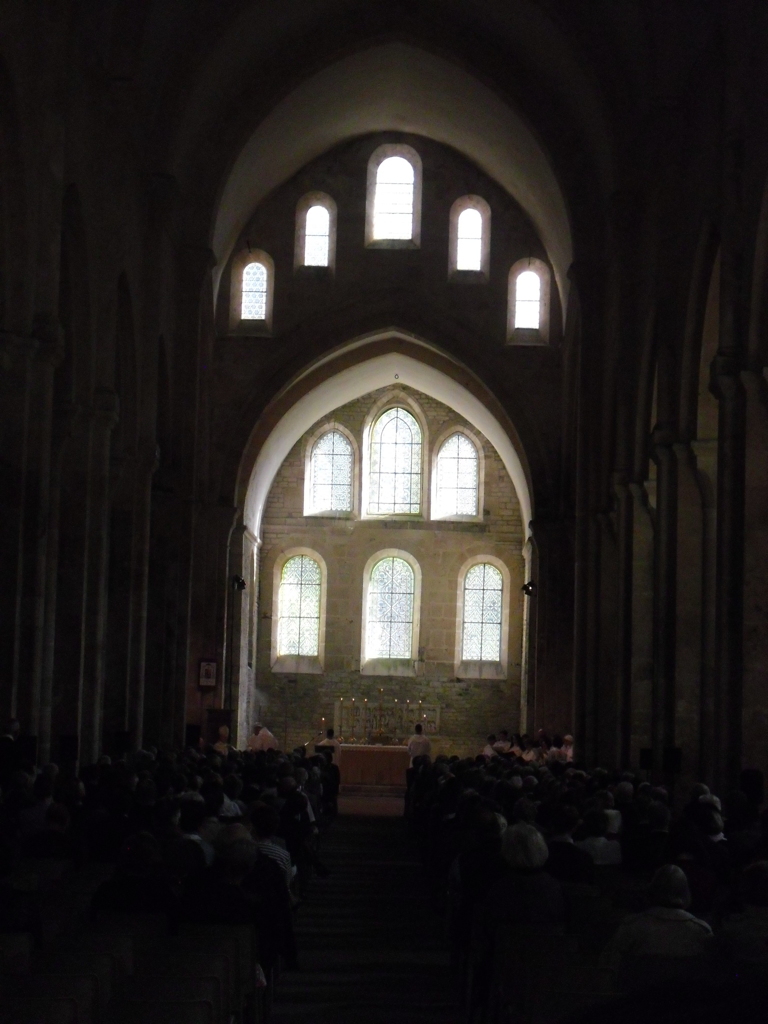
<point>265,821</point>
<point>526,896</point>
<point>662,941</point>
<point>603,851</point>
<point>140,884</point>
<point>567,862</point>
<point>745,932</point>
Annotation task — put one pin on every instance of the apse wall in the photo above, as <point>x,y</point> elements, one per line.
<point>295,704</point>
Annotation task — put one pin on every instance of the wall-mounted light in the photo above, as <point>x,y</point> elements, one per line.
<point>529,588</point>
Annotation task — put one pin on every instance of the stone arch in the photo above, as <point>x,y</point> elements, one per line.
<point>324,386</point>
<point>396,86</point>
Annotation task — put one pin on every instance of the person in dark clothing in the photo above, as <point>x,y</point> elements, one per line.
<point>566,862</point>
<point>139,885</point>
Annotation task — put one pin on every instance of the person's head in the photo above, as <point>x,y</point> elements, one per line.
<point>43,787</point>
<point>236,852</point>
<point>330,733</point>
<point>223,733</point>
<point>257,727</point>
<point>13,728</point>
<point>265,820</point>
<point>659,816</point>
<point>57,818</point>
<point>193,814</point>
<point>418,729</point>
<point>754,884</point>
<point>492,739</point>
<point>669,888</point>
<point>564,819</point>
<point>503,735</point>
<point>523,847</point>
<point>699,789</point>
<point>708,820</point>
<point>567,741</point>
<point>596,822</point>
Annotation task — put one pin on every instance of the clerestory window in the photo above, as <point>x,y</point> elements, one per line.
<point>255,291</point>
<point>331,470</point>
<point>394,485</point>
<point>393,214</point>
<point>315,231</point>
<point>458,477</point>
<point>528,301</point>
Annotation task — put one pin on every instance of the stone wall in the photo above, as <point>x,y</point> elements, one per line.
<point>295,705</point>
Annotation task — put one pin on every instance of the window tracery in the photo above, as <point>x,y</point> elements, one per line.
<point>457,468</point>
<point>395,464</point>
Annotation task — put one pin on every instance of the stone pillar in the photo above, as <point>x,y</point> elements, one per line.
<point>663,719</point>
<point>706,458</point>
<point>643,560</point>
<point>728,386</point>
<point>624,553</point>
<point>755,706</point>
<point>64,419</point>
<point>688,639</point>
<point>103,420</point>
<point>134,721</point>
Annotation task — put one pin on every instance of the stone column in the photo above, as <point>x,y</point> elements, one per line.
<point>663,720</point>
<point>103,420</point>
<point>688,639</point>
<point>728,386</point>
<point>137,640</point>
<point>706,459</point>
<point>624,552</point>
<point>643,559</point>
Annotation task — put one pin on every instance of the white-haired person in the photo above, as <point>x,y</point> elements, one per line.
<point>262,739</point>
<point>662,942</point>
<point>526,896</point>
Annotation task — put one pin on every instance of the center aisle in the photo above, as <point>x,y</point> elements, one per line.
<point>371,946</point>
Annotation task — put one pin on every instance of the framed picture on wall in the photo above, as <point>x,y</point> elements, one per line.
<point>207,679</point>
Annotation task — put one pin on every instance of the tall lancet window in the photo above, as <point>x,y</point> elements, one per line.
<point>481,629</point>
<point>457,478</point>
<point>317,237</point>
<point>389,630</point>
<point>394,485</point>
<point>299,607</point>
<point>255,290</point>
<point>331,472</point>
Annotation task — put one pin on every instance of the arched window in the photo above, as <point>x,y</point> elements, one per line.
<point>255,291</point>
<point>389,623</point>
<point>393,212</point>
<point>331,468</point>
<point>394,485</point>
<point>315,244</point>
<point>317,235</point>
<point>393,204</point>
<point>529,292</point>
<point>456,493</point>
<point>528,300</point>
<point>469,241</point>
<point>483,607</point>
<point>298,631</point>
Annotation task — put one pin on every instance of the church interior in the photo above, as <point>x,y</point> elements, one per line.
<point>397,369</point>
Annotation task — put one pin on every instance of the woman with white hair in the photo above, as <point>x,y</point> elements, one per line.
<point>662,941</point>
<point>526,896</point>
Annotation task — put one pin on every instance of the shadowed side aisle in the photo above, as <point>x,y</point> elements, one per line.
<point>370,945</point>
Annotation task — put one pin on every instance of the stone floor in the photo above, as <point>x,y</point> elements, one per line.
<point>372,948</point>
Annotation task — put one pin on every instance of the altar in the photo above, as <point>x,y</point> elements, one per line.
<point>365,764</point>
